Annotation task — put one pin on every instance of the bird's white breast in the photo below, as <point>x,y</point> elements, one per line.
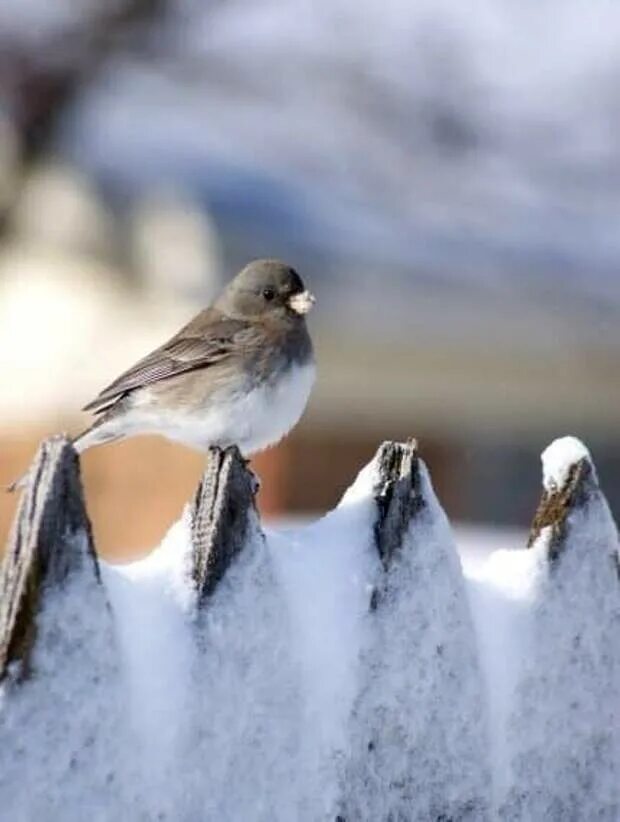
<point>251,419</point>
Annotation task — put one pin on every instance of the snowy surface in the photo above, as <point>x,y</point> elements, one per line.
<point>264,692</point>
<point>63,754</point>
<point>563,732</point>
<point>327,579</point>
<point>247,688</point>
<point>558,458</point>
<point>418,728</point>
<point>152,601</point>
<point>484,687</point>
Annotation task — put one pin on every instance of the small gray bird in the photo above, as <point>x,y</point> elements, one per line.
<point>240,373</point>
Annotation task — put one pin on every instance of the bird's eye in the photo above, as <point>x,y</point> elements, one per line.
<point>269,294</point>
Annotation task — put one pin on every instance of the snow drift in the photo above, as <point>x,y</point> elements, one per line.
<point>564,728</point>
<point>347,669</point>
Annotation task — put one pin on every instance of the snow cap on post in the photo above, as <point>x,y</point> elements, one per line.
<point>417,731</point>
<point>561,735</point>
<point>569,482</point>
<point>40,553</point>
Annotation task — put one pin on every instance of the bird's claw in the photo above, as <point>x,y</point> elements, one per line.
<point>254,478</point>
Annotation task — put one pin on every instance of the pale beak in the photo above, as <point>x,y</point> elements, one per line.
<point>301,303</point>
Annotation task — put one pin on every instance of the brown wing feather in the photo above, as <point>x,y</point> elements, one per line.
<point>208,339</point>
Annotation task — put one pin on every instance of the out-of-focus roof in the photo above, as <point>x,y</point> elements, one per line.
<point>434,151</point>
<point>446,175</point>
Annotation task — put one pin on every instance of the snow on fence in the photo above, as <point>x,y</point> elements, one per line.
<point>344,670</point>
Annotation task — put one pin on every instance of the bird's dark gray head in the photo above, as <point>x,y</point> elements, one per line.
<point>266,288</point>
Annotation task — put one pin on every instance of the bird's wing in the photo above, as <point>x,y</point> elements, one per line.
<point>207,340</point>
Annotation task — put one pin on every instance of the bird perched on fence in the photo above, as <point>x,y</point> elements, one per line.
<point>240,373</point>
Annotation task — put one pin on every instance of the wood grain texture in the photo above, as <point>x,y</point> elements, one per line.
<point>40,555</point>
<point>556,505</point>
<point>221,513</point>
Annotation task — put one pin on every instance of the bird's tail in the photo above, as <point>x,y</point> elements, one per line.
<point>98,433</point>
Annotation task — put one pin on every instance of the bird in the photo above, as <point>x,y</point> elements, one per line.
<point>239,373</point>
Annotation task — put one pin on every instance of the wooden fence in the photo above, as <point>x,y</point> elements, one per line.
<point>39,557</point>
<point>43,554</point>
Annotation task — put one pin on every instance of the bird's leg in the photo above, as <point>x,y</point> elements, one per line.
<point>254,476</point>
<point>214,451</point>
<point>255,481</point>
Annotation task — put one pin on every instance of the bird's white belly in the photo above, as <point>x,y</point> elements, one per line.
<point>252,420</point>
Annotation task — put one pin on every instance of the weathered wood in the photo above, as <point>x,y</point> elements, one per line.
<point>397,495</point>
<point>557,503</point>
<point>39,553</point>
<point>416,747</point>
<point>223,505</point>
<point>568,685</point>
<point>398,499</point>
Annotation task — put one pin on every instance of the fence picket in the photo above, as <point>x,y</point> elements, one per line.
<point>39,556</point>
<point>222,506</point>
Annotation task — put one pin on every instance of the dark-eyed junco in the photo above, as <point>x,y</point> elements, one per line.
<point>239,373</point>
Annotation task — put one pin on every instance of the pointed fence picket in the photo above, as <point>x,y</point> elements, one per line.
<point>51,544</point>
<point>40,556</point>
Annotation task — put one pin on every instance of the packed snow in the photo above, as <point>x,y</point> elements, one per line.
<point>558,459</point>
<point>63,753</point>
<point>418,728</point>
<point>155,657</point>
<point>472,688</point>
<point>563,732</point>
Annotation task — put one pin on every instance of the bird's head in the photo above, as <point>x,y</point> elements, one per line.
<point>266,289</point>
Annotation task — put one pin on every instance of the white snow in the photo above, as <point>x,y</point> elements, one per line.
<point>558,458</point>
<point>63,753</point>
<point>327,578</point>
<point>247,699</point>
<point>418,729</point>
<point>563,732</point>
<point>548,640</point>
<point>482,691</point>
<point>152,600</point>
<point>501,593</point>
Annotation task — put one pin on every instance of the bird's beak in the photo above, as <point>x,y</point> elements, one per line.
<point>301,303</point>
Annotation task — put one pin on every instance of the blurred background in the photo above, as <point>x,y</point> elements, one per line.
<point>445,176</point>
